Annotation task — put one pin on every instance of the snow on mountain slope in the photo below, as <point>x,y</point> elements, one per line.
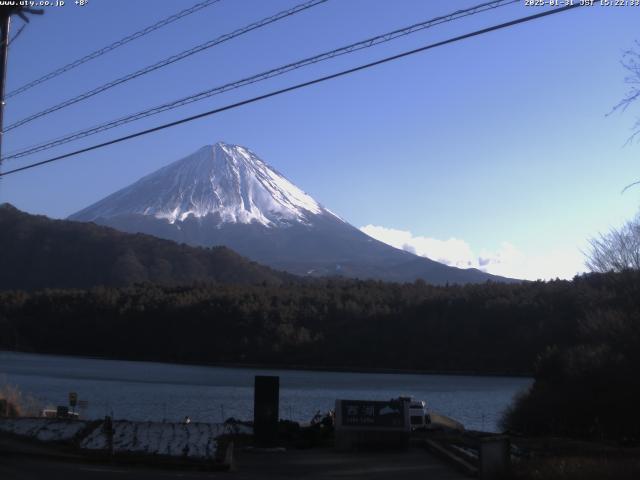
<point>225,195</point>
<point>222,179</point>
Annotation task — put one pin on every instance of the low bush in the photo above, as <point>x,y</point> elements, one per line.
<point>15,403</point>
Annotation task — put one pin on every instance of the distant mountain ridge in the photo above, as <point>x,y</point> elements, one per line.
<point>37,252</point>
<point>225,194</point>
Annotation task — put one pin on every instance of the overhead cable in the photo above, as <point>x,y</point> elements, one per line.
<point>369,42</point>
<point>101,51</point>
<point>298,86</point>
<point>168,61</point>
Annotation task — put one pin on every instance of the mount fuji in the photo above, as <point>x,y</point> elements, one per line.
<point>226,195</point>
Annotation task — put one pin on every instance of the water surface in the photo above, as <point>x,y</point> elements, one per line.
<point>163,391</point>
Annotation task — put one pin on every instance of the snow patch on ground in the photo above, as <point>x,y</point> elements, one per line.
<point>43,429</point>
<point>193,440</point>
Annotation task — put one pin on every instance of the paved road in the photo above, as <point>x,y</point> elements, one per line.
<point>326,463</point>
<point>22,468</point>
<point>307,464</point>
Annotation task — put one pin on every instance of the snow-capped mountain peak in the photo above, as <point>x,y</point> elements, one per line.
<point>225,194</point>
<point>220,179</point>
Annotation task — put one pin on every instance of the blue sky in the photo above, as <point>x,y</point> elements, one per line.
<point>494,151</point>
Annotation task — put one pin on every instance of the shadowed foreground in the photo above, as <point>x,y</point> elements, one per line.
<point>308,464</point>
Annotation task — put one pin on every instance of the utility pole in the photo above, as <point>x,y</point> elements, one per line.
<point>5,23</point>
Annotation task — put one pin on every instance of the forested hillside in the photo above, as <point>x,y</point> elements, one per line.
<point>579,338</point>
<point>37,252</point>
<point>331,323</point>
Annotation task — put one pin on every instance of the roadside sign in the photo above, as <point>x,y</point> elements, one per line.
<point>73,399</point>
<point>372,423</point>
<point>372,414</point>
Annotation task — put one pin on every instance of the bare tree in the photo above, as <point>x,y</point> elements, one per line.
<point>620,248</point>
<point>617,250</point>
<point>631,62</point>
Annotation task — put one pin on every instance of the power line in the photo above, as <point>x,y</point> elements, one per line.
<point>297,87</point>
<point>168,61</point>
<point>112,46</point>
<point>370,42</point>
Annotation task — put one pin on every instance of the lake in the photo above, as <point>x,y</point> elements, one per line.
<point>162,391</point>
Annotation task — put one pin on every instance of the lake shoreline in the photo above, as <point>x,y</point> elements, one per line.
<point>289,367</point>
<point>152,391</point>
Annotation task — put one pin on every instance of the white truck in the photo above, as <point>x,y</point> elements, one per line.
<point>419,417</point>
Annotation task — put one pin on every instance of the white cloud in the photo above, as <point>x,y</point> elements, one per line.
<point>508,260</point>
